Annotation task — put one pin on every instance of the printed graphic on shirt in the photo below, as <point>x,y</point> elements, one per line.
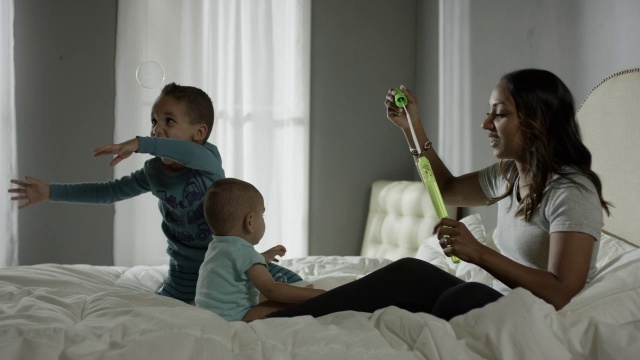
<point>185,216</point>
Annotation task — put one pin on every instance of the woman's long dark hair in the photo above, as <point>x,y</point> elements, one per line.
<point>552,139</point>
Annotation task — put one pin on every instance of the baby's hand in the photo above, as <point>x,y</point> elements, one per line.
<point>270,255</point>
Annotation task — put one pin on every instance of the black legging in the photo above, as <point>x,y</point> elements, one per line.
<point>408,283</point>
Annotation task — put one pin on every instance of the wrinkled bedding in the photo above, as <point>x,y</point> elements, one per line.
<point>54,311</point>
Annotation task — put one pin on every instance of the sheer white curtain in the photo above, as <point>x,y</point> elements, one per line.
<point>455,87</point>
<point>252,58</point>
<point>8,211</point>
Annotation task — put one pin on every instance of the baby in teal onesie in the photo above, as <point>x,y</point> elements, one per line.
<point>233,273</point>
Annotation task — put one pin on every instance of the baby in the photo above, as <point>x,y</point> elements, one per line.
<point>233,274</point>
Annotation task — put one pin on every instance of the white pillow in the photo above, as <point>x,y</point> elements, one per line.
<point>474,224</point>
<point>610,248</point>
<point>431,252</point>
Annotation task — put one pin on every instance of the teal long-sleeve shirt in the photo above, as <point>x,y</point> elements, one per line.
<point>181,193</point>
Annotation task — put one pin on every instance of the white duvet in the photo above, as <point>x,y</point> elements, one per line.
<point>91,312</point>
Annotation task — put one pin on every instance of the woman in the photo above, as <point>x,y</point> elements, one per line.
<point>550,210</point>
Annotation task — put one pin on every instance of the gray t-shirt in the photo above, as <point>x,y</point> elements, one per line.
<point>565,207</point>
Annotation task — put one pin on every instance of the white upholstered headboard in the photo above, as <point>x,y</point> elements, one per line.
<point>609,120</point>
<point>400,217</point>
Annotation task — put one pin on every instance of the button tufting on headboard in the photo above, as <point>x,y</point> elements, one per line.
<point>400,217</point>
<point>609,120</point>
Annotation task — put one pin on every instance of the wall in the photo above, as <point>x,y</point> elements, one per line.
<point>359,49</point>
<point>64,54</point>
<point>64,63</point>
<point>427,61</point>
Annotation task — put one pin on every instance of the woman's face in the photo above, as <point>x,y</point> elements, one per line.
<point>503,124</point>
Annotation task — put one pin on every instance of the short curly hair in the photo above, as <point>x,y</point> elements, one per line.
<point>198,103</point>
<point>227,202</point>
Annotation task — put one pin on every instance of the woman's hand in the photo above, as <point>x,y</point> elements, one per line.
<point>31,189</point>
<point>397,115</point>
<point>456,239</point>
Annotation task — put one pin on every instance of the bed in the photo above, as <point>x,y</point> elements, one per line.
<point>53,311</point>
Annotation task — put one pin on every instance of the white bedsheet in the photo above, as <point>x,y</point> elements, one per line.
<point>91,312</point>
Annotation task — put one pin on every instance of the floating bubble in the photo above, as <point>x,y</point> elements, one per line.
<point>280,278</point>
<point>150,74</point>
<point>152,281</point>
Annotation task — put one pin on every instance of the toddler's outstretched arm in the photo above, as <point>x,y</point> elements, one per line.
<point>122,150</point>
<point>31,189</point>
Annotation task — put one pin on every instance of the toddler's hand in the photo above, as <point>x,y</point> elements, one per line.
<point>270,255</point>
<point>122,150</point>
<point>33,190</point>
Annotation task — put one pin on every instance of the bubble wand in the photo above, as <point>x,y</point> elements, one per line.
<point>424,167</point>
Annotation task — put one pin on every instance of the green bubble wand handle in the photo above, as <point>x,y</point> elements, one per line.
<point>424,167</point>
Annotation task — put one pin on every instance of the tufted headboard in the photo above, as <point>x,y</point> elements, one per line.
<point>400,217</point>
<point>609,120</point>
